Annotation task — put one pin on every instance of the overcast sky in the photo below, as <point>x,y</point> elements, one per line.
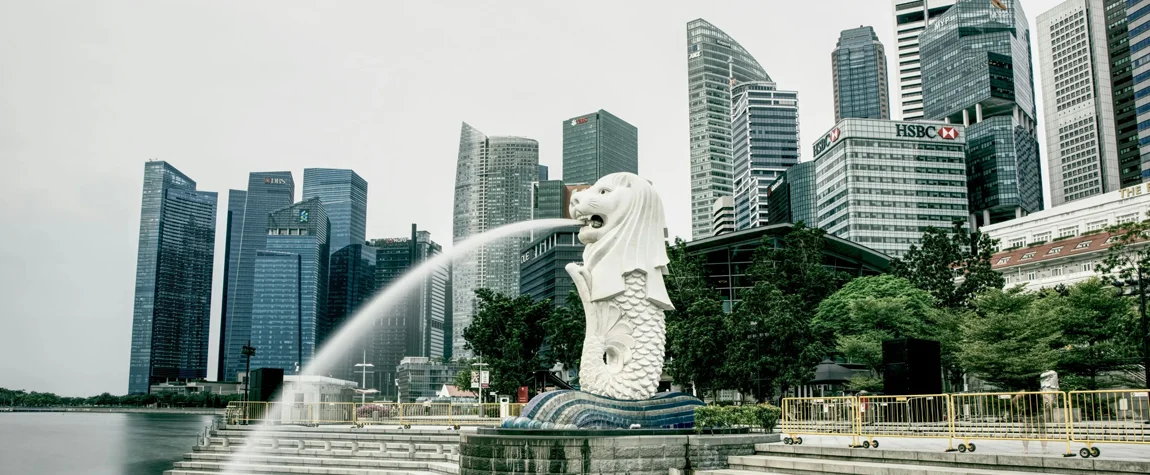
<point>91,90</point>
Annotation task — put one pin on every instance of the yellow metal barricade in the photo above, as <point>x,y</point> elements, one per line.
<point>378,413</point>
<point>331,413</point>
<point>914,416</point>
<point>1115,416</point>
<point>246,412</point>
<point>835,416</point>
<point>1022,416</point>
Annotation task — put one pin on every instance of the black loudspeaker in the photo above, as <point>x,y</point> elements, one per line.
<point>911,366</point>
<point>264,383</point>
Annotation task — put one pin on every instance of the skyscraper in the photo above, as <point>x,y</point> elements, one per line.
<point>542,266</point>
<point>1138,30</point>
<point>351,283</point>
<point>289,297</point>
<point>1122,85</point>
<point>976,71</point>
<point>598,144</point>
<point>1081,140</point>
<point>910,18</point>
<point>171,316</point>
<point>344,195</point>
<point>713,57</point>
<point>765,141</point>
<point>237,199</point>
<point>723,216</point>
<point>858,66</point>
<point>493,178</point>
<point>267,192</point>
<point>415,325</point>
<point>791,198</point>
<point>543,173</point>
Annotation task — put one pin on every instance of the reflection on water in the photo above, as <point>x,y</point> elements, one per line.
<point>95,443</point>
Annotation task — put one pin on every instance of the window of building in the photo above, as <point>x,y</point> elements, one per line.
<point>1017,243</point>
<point>1054,250</point>
<point>1029,255</point>
<point>1002,261</point>
<point>1088,267</point>
<point>1030,275</point>
<point>1082,245</point>
<point>1111,239</point>
<point>1127,218</point>
<point>1041,237</point>
<point>1067,232</point>
<point>1095,225</point>
<point>1056,272</point>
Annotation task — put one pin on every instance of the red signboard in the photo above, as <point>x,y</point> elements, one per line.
<point>522,393</point>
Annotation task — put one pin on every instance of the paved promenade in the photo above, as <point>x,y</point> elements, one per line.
<point>991,447</point>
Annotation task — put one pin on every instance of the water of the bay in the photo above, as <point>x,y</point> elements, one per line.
<point>95,443</point>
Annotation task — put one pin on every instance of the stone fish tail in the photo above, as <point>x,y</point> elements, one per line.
<point>625,343</point>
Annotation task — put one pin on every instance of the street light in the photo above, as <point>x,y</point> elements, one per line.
<point>1140,284</point>
<point>249,351</point>
<point>363,388</point>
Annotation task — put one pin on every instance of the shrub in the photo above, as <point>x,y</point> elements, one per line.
<point>764,416</point>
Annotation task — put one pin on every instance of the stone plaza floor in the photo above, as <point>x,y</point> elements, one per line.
<point>994,447</point>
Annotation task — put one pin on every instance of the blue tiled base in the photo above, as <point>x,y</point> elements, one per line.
<point>580,410</point>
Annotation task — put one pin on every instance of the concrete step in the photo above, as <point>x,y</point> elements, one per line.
<point>423,466</point>
<point>809,466</point>
<point>335,443</point>
<point>346,434</point>
<point>730,471</point>
<point>245,468</point>
<point>364,452</point>
<point>954,460</point>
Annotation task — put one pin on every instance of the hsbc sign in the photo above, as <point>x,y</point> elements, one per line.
<point>828,139</point>
<point>926,131</point>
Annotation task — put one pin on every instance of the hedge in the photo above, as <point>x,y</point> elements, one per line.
<point>765,416</point>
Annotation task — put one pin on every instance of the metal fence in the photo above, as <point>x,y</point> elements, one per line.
<point>1085,417</point>
<point>386,413</point>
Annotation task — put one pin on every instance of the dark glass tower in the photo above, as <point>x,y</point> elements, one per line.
<point>237,199</point>
<point>267,192</point>
<point>1122,88</point>
<point>351,282</point>
<point>713,57</point>
<point>171,317</point>
<point>289,297</point>
<point>791,198</point>
<point>542,266</point>
<point>976,71</point>
<point>765,140</point>
<point>598,144</point>
<point>858,65</point>
<point>416,326</point>
<point>344,195</point>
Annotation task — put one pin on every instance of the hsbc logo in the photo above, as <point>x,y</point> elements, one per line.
<point>828,139</point>
<point>926,131</point>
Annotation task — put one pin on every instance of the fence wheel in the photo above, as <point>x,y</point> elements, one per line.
<point>788,441</point>
<point>874,444</point>
<point>970,447</point>
<point>799,440</point>
<point>1094,452</point>
<point>866,444</point>
<point>1084,453</point>
<point>961,449</point>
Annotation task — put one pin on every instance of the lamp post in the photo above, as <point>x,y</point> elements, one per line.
<point>364,371</point>
<point>1140,285</point>
<point>249,351</point>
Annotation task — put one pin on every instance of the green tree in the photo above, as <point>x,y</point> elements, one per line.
<point>1008,341</point>
<point>696,331</point>
<point>566,329</point>
<point>946,255</point>
<point>508,334</point>
<point>1096,326</point>
<point>1128,258</point>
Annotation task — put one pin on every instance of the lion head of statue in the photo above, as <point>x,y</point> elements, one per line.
<point>624,230</point>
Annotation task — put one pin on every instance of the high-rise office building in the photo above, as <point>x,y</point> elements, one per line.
<point>713,58</point>
<point>267,192</point>
<point>882,183</point>
<point>171,316</point>
<point>289,297</point>
<point>1138,31</point>
<point>910,19</point>
<point>858,67</point>
<point>1081,140</point>
<point>415,325</point>
<point>493,178</point>
<point>976,71</point>
<point>765,141</point>
<point>723,216</point>
<point>1122,85</point>
<point>234,229</point>
<point>351,283</point>
<point>344,196</point>
<point>791,197</point>
<point>598,144</point>
<point>543,263</point>
<point>543,172</point>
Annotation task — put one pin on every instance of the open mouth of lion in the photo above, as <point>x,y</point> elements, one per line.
<point>595,221</point>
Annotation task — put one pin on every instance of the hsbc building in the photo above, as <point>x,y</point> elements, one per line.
<point>882,183</point>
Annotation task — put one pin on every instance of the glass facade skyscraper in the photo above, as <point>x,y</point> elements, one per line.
<point>171,313</point>
<point>1138,31</point>
<point>858,67</point>
<point>713,58</point>
<point>414,326</point>
<point>882,183</point>
<point>1122,86</point>
<point>267,192</point>
<point>493,178</point>
<point>910,18</point>
<point>289,298</point>
<point>765,142</point>
<point>542,267</point>
<point>1081,140</point>
<point>976,71</point>
<point>791,197</point>
<point>237,199</point>
<point>344,195</point>
<point>598,144</point>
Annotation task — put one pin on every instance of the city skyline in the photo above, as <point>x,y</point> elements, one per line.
<point>347,111</point>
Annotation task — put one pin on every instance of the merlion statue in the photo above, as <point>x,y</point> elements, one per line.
<point>621,286</point>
